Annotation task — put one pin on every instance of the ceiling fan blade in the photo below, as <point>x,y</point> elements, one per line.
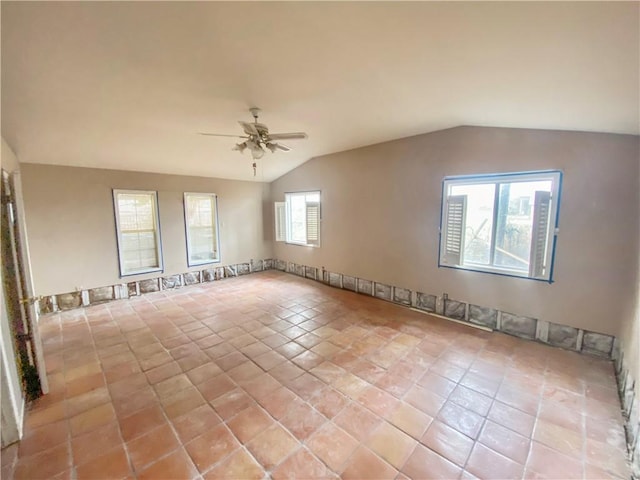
<point>249,128</point>
<point>221,135</point>
<point>282,147</point>
<point>288,136</point>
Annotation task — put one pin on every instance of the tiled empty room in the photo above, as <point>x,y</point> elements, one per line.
<point>296,240</point>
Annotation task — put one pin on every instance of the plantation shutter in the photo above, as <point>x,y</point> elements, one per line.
<point>280,221</point>
<point>454,227</point>
<point>313,223</point>
<point>539,234</point>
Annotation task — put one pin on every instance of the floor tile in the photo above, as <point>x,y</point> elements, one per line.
<point>141,422</point>
<point>558,438</point>
<point>565,417</point>
<point>135,401</point>
<point>484,462</point>
<point>244,371</point>
<point>97,380</point>
<point>272,374</point>
<point>272,446</point>
<point>364,464</point>
<point>463,420</point>
<point>424,463</point>
<point>479,383</point>
<point>607,458</point>
<point>548,463</point>
<point>195,422</point>
<point>505,441</point>
<point>110,465</point>
<point>448,442</point>
<point>215,387</point>
<point>232,403</point>
<point>171,385</point>
<point>249,422</point>
<point>302,420</point>
<point>409,419</point>
<point>91,419</point>
<point>357,421</point>
<point>378,401</point>
<point>290,349</point>
<point>308,360</point>
<point>43,438</point>
<point>209,448</point>
<point>391,444</point>
<point>46,415</point>
<point>302,464</point>
<point>176,466</point>
<point>425,400</point>
<point>44,464</point>
<point>151,446</point>
<point>269,360</point>
<point>332,445</point>
<point>471,400</point>
<point>90,445</point>
<point>240,465</point>
<point>182,402</point>
<point>437,384</point>
<point>329,402</point>
<point>512,418</point>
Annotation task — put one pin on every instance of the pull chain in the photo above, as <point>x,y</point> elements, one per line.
<point>254,168</point>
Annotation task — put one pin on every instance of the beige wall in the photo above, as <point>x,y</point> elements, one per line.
<point>381,213</point>
<point>71,223</point>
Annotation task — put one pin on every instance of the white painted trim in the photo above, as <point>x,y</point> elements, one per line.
<point>467,324</point>
<point>12,405</point>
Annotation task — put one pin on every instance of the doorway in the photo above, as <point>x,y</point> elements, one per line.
<point>18,297</point>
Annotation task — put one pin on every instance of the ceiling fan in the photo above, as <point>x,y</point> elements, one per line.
<point>258,138</point>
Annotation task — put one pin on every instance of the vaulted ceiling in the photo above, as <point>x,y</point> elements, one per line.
<point>127,85</point>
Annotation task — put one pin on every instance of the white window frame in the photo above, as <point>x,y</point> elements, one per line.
<point>541,263</point>
<point>283,219</point>
<point>156,219</point>
<point>215,228</point>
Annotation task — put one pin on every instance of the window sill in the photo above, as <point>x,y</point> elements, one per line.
<point>496,271</point>
<point>199,264</point>
<point>141,272</point>
<point>302,244</point>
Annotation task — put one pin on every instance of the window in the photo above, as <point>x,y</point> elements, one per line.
<point>138,231</point>
<point>298,219</point>
<point>504,224</point>
<point>201,220</point>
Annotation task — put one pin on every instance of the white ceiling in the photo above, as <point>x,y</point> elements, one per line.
<point>128,85</point>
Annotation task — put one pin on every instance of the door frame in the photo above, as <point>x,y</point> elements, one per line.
<point>24,278</point>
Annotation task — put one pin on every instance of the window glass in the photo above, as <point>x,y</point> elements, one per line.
<point>202,228</point>
<point>138,231</point>
<point>501,223</point>
<point>299,214</point>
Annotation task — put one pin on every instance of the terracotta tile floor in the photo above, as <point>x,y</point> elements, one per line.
<point>271,375</point>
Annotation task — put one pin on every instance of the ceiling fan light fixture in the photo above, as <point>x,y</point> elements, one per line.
<point>256,150</point>
<point>240,147</point>
<point>257,153</point>
<point>271,146</point>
